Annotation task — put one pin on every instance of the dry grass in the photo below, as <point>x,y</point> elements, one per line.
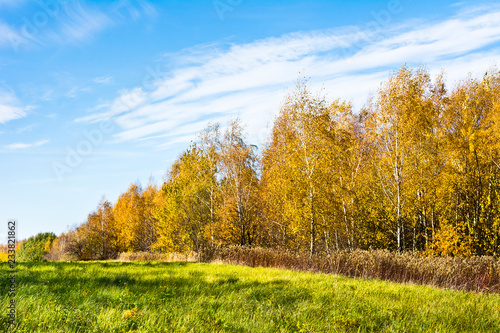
<point>478,274</point>
<point>150,256</point>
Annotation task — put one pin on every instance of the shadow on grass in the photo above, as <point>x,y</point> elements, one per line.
<point>154,278</point>
<point>84,289</point>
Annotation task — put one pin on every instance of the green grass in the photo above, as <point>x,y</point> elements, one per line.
<point>193,297</point>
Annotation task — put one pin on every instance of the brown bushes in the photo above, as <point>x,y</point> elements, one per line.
<point>478,274</point>
<point>151,256</point>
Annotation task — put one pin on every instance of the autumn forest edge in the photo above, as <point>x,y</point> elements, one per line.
<point>416,169</point>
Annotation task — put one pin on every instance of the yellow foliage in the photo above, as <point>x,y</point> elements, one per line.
<point>450,242</point>
<point>417,169</point>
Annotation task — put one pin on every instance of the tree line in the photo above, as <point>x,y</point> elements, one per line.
<point>415,170</point>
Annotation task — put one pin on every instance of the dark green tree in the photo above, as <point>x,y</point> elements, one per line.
<point>36,247</point>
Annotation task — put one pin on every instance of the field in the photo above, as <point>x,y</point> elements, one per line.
<point>195,297</point>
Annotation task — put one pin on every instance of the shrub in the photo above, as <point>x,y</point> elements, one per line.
<point>153,256</point>
<point>35,247</point>
<point>61,248</point>
<point>449,242</point>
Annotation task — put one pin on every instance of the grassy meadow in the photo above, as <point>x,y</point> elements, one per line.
<point>197,297</point>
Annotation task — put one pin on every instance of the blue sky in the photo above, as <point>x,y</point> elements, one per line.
<point>96,95</point>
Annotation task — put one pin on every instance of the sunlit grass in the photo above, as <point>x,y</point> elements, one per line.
<point>194,297</point>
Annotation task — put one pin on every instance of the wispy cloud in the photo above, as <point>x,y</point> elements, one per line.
<point>8,35</point>
<point>27,128</point>
<point>250,80</point>
<point>47,96</point>
<point>128,100</point>
<point>103,79</point>
<point>10,107</point>
<point>72,92</point>
<point>16,146</point>
<point>79,22</point>
<point>67,22</point>
<point>4,3</point>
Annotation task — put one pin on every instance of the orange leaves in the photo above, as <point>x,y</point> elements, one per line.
<point>451,242</point>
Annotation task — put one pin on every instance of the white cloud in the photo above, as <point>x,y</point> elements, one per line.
<point>9,36</point>
<point>27,128</point>
<point>251,80</point>
<point>10,107</point>
<point>8,113</point>
<point>68,22</point>
<point>128,100</point>
<point>103,79</point>
<point>15,146</point>
<point>72,92</point>
<point>47,96</point>
<point>4,3</point>
<point>79,23</point>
